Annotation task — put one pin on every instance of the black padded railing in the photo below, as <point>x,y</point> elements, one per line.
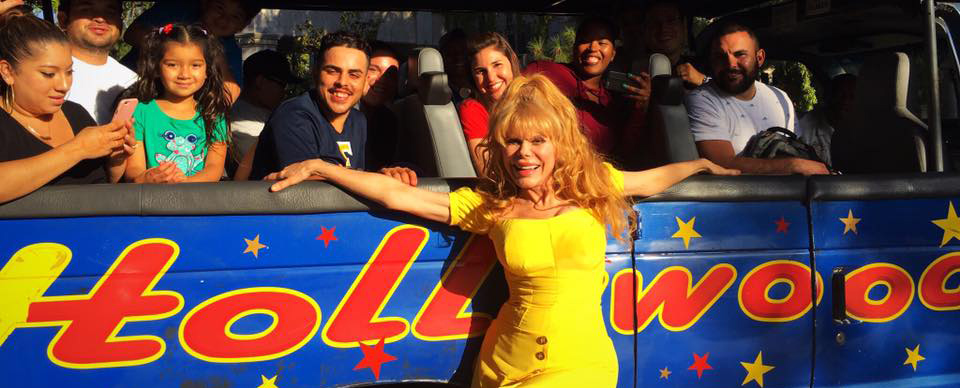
<point>235,198</point>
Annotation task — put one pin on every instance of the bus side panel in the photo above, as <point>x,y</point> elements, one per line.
<point>232,300</point>
<point>731,308</point>
<point>897,261</point>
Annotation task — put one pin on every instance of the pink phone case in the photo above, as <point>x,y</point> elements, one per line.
<point>125,109</point>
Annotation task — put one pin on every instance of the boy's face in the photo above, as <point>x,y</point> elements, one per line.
<point>224,17</point>
<point>341,79</point>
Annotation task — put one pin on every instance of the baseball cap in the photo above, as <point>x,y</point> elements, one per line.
<point>270,64</point>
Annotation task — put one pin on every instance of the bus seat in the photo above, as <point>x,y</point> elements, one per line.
<point>880,135</point>
<point>431,136</point>
<point>668,121</point>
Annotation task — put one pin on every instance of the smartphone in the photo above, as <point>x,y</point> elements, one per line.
<point>616,80</point>
<point>125,109</point>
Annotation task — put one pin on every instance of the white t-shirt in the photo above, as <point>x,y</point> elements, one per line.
<point>716,115</point>
<point>246,123</point>
<point>96,87</point>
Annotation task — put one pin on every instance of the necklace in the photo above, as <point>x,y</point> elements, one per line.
<point>34,131</point>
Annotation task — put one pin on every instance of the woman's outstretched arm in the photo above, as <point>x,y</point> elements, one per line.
<point>387,191</point>
<point>649,182</point>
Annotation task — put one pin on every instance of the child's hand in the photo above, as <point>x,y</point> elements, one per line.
<point>100,141</point>
<point>166,172</point>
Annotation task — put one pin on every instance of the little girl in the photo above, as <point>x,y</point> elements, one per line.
<point>180,122</point>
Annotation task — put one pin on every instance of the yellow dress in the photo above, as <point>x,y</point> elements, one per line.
<point>551,331</point>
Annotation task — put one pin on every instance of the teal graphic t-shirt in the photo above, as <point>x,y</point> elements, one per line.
<point>166,139</point>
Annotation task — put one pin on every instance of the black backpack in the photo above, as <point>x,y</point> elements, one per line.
<point>777,142</point>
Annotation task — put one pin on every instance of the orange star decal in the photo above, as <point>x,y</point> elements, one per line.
<point>700,364</point>
<point>254,246</point>
<point>327,236</point>
<point>782,225</point>
<point>374,357</point>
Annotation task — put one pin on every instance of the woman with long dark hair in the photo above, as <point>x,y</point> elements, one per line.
<point>45,139</point>
<point>493,64</point>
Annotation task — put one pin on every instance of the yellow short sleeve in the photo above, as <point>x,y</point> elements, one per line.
<point>464,203</point>
<point>615,175</point>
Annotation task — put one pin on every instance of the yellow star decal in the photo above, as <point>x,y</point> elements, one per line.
<point>686,231</point>
<point>254,246</point>
<point>665,373</point>
<point>850,223</point>
<point>755,370</point>
<point>913,357</point>
<point>950,226</point>
<point>268,383</point>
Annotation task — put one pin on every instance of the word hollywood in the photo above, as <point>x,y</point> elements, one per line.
<point>89,323</point>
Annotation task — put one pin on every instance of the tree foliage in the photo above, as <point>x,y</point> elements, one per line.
<point>366,27</point>
<point>556,48</point>
<point>794,79</point>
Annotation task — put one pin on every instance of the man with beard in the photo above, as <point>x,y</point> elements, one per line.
<point>93,27</point>
<point>733,107</point>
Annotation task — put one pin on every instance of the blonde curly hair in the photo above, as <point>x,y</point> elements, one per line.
<point>533,105</point>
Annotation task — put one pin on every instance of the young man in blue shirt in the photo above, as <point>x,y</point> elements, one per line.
<point>321,123</point>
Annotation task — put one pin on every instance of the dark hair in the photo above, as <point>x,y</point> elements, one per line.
<point>212,99</point>
<point>341,39</point>
<point>452,36</point>
<point>480,41</point>
<point>19,35</point>
<point>602,21</point>
<point>250,7</point>
<point>730,27</point>
<point>381,46</point>
<point>650,4</point>
<point>19,10</point>
<point>65,6</point>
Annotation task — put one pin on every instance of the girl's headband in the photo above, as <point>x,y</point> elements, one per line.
<point>165,30</point>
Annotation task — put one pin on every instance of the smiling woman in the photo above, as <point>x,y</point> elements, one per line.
<point>610,120</point>
<point>547,201</point>
<point>493,64</point>
<point>45,139</point>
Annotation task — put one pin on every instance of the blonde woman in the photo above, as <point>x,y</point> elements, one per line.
<point>544,199</point>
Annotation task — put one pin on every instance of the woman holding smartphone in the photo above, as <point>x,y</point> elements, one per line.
<point>45,139</point>
<point>613,120</point>
<point>547,201</point>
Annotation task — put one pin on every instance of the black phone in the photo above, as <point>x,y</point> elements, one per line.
<point>616,80</point>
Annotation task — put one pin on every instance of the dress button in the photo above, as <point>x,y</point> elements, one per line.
<point>542,340</point>
<point>540,356</point>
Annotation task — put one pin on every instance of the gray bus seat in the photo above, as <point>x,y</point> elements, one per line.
<point>668,138</point>
<point>667,118</point>
<point>880,134</point>
<point>431,137</point>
